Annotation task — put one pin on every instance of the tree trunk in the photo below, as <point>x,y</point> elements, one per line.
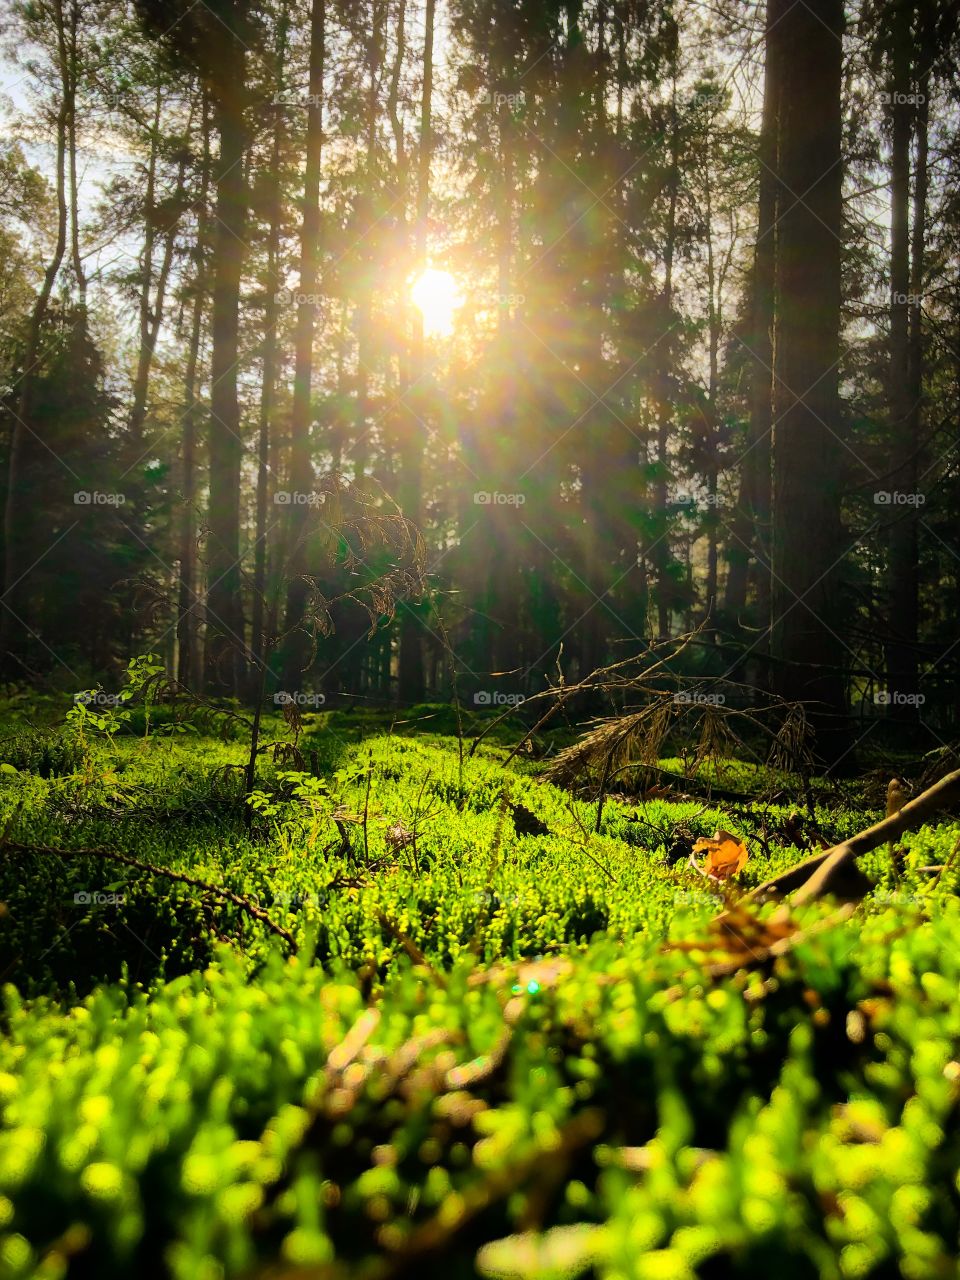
<point>188,656</point>
<point>714,318</point>
<point>807,535</point>
<point>225,645</point>
<point>16,548</point>
<point>411,674</point>
<point>151,316</point>
<point>259,641</point>
<point>366,206</point>
<point>751,522</point>
<point>70,49</point>
<point>297,646</point>
<point>661,549</point>
<point>916,355</point>
<point>902,585</point>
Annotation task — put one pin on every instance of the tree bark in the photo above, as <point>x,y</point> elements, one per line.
<point>410,667</point>
<point>807,535</point>
<point>188,656</point>
<point>259,641</point>
<point>297,647</point>
<point>751,522</point>
<point>17,552</point>
<point>225,646</point>
<point>902,532</point>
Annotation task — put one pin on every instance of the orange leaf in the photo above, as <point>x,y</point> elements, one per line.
<point>726,855</point>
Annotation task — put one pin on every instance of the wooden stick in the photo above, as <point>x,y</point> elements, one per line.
<point>110,855</point>
<point>815,876</point>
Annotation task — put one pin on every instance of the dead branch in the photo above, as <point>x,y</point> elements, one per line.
<point>109,855</point>
<point>824,872</point>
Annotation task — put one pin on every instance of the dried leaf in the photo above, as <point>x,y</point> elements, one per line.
<point>398,837</point>
<point>726,855</point>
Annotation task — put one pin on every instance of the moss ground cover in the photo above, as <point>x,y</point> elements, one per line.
<point>495,1046</point>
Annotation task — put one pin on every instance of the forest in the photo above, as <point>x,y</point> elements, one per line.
<point>479,645</point>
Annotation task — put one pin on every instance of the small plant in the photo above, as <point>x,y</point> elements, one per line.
<point>145,674</point>
<point>95,712</point>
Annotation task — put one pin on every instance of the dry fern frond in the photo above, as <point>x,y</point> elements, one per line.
<point>612,743</point>
<point>716,742</point>
<point>792,748</point>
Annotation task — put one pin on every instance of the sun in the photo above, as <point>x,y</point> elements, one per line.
<point>436,296</point>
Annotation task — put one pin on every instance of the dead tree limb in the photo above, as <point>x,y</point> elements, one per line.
<point>110,855</point>
<point>825,872</point>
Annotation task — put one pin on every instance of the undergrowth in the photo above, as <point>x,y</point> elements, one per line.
<point>489,1040</point>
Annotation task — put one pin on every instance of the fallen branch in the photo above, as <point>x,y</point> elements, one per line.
<point>245,905</point>
<point>827,872</point>
<point>762,954</point>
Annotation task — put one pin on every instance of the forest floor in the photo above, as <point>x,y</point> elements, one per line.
<point>417,1009</point>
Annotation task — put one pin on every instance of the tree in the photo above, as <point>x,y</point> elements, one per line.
<point>212,41</point>
<point>60,29</point>
<point>411,672</point>
<point>750,527</point>
<point>808,476</point>
<point>301,461</point>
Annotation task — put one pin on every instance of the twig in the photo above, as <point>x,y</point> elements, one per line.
<point>411,948</point>
<point>416,820</point>
<point>366,807</point>
<point>603,787</point>
<point>434,1234</point>
<point>946,866</point>
<point>255,912</point>
<point>582,844</point>
<point>782,946</point>
<point>598,680</point>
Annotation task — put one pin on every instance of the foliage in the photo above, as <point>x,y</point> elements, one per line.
<point>610,1109</point>
<point>496,1049</point>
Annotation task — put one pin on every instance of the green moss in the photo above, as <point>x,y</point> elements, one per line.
<point>168,1103</point>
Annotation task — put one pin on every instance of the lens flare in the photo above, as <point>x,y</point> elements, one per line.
<point>437,297</point>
